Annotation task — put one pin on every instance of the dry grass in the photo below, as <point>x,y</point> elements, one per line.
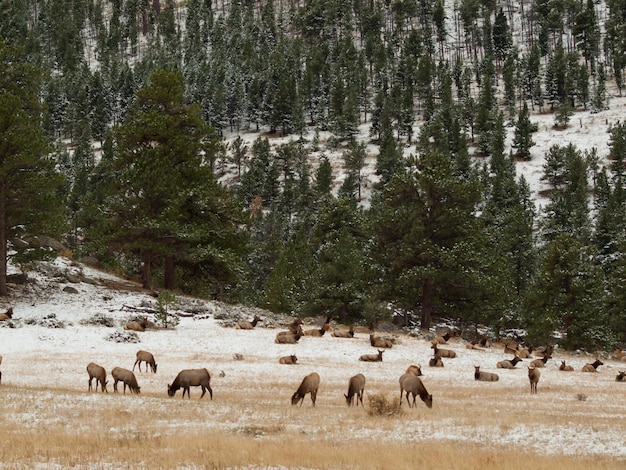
<point>68,428</point>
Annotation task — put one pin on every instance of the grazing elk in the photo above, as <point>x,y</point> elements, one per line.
<point>509,363</point>
<point>309,384</point>
<point>448,353</point>
<point>380,342</point>
<point>533,378</point>
<point>288,359</point>
<point>248,325</point>
<point>413,385</point>
<point>565,367</point>
<point>356,385</point>
<point>621,376</point>
<point>485,376</point>
<point>593,367</point>
<point>7,315</point>
<point>140,325</point>
<point>97,372</point>
<point>126,377</point>
<point>191,378</point>
<point>148,358</point>
<point>415,370</point>
<point>373,357</point>
<point>540,363</point>
<point>343,333</point>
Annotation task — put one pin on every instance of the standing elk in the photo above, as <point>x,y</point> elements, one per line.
<point>533,378</point>
<point>565,367</point>
<point>288,359</point>
<point>148,358</point>
<point>140,325</point>
<point>7,315</point>
<point>191,378</point>
<point>373,357</point>
<point>593,367</point>
<point>248,325</point>
<point>99,373</point>
<point>126,377</point>
<point>309,384</point>
<point>414,369</point>
<point>413,385</point>
<point>356,385</point>
<point>380,342</point>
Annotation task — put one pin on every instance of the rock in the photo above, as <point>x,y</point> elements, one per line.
<point>70,290</point>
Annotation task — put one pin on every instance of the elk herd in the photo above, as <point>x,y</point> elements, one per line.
<point>410,382</point>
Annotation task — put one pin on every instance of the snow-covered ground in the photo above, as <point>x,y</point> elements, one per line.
<point>585,403</point>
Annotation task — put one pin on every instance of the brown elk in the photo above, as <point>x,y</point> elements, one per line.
<point>140,325</point>
<point>373,357</point>
<point>7,315</point>
<point>317,332</point>
<point>435,361</point>
<point>441,339</point>
<point>540,363</point>
<point>593,367</point>
<point>293,329</point>
<point>288,338</point>
<point>343,333</point>
<point>525,353</point>
<point>191,378</point>
<point>356,385</point>
<point>126,377</point>
<point>380,342</point>
<point>415,370</point>
<point>97,372</point>
<point>621,376</point>
<point>309,384</point>
<point>148,358</point>
<point>248,325</point>
<point>565,367</point>
<point>510,347</point>
<point>508,363</point>
<point>485,376</point>
<point>533,378</point>
<point>448,353</point>
<point>413,385</point>
<point>288,359</point>
<point>619,355</point>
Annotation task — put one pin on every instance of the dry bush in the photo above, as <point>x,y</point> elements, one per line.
<point>379,405</point>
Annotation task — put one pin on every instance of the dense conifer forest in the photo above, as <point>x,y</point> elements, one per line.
<point>113,117</point>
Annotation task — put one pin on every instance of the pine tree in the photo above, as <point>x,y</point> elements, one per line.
<point>523,140</point>
<point>29,184</point>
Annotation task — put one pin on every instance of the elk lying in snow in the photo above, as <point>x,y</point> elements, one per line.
<point>356,385</point>
<point>565,367</point>
<point>508,363</point>
<point>409,383</point>
<point>485,376</point>
<point>288,359</point>
<point>435,361</point>
<point>343,333</point>
<point>309,384</point>
<point>380,342</point>
<point>317,332</point>
<point>510,347</point>
<point>619,355</point>
<point>97,372</point>
<point>533,378</point>
<point>288,338</point>
<point>248,325</point>
<point>441,339</point>
<point>443,352</point>
<point>191,378</point>
<point>621,377</point>
<point>295,328</point>
<point>140,325</point>
<point>525,353</point>
<point>126,377</point>
<point>540,363</point>
<point>148,358</point>
<point>373,357</point>
<point>545,351</point>
<point>7,315</point>
<point>593,367</point>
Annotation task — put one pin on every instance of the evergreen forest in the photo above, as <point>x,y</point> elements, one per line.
<point>120,127</point>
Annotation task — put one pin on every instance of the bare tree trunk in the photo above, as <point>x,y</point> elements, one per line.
<point>427,304</point>
<point>146,272</point>
<point>3,242</point>
<point>169,273</point>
